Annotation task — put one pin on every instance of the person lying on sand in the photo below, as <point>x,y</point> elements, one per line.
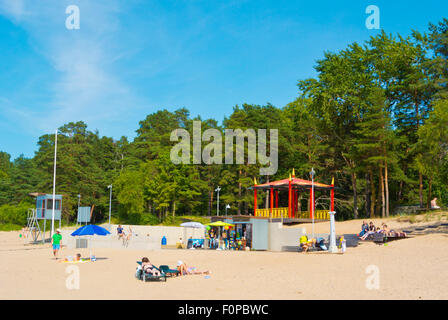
<point>396,233</point>
<point>392,233</point>
<point>147,267</point>
<point>77,257</point>
<point>185,270</point>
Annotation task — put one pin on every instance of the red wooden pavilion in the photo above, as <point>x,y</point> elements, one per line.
<point>292,185</point>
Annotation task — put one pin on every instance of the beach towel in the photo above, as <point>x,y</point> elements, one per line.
<point>80,261</point>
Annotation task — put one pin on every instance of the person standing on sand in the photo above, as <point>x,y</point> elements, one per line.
<point>56,242</point>
<point>224,238</point>
<point>212,239</point>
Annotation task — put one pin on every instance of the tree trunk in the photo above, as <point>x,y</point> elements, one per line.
<point>367,195</point>
<point>428,204</point>
<point>420,192</point>
<point>400,192</point>
<point>355,196</point>
<point>174,208</point>
<point>239,193</point>
<point>383,207</point>
<point>372,189</point>
<point>386,183</point>
<point>420,176</point>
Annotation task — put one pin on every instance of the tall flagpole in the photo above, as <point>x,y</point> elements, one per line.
<point>312,173</point>
<point>54,181</point>
<point>110,203</point>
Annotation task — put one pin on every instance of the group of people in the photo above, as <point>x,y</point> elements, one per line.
<point>182,268</point>
<point>229,239</point>
<point>368,229</point>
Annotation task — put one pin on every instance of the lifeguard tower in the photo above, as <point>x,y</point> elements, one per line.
<point>43,211</point>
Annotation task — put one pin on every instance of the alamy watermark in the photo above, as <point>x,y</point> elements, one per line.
<point>73,280</point>
<point>373,279</point>
<point>373,20</point>
<point>73,20</point>
<point>212,152</point>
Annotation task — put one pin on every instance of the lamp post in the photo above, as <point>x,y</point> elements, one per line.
<point>312,173</point>
<point>332,248</point>
<point>79,200</point>
<point>110,202</point>
<point>54,181</point>
<point>227,207</point>
<point>217,203</point>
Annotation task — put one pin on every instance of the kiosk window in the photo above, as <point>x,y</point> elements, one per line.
<point>57,204</point>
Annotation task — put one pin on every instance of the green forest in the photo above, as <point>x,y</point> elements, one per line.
<point>375,118</point>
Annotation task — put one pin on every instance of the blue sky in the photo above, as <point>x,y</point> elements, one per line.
<point>131,58</point>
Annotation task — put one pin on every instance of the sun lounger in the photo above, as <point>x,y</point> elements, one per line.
<point>169,272</point>
<point>382,238</point>
<point>141,275</point>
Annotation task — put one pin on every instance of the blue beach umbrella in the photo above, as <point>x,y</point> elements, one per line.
<point>90,230</point>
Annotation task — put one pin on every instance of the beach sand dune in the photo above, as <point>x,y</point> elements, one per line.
<point>415,268</point>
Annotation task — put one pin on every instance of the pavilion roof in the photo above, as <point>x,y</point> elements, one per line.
<point>296,183</point>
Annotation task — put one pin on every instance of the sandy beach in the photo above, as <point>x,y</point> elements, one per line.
<point>414,268</point>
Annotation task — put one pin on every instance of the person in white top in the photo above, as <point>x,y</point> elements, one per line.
<point>434,204</point>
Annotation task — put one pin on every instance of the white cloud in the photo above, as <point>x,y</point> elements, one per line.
<point>14,9</point>
<point>87,87</point>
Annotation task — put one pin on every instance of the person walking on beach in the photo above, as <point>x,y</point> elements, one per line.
<point>56,242</point>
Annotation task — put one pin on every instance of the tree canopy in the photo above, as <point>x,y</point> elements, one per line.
<point>375,118</point>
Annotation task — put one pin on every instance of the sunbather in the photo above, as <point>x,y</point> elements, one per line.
<point>77,257</point>
<point>147,267</point>
<point>185,270</point>
<point>386,230</point>
<point>396,233</point>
